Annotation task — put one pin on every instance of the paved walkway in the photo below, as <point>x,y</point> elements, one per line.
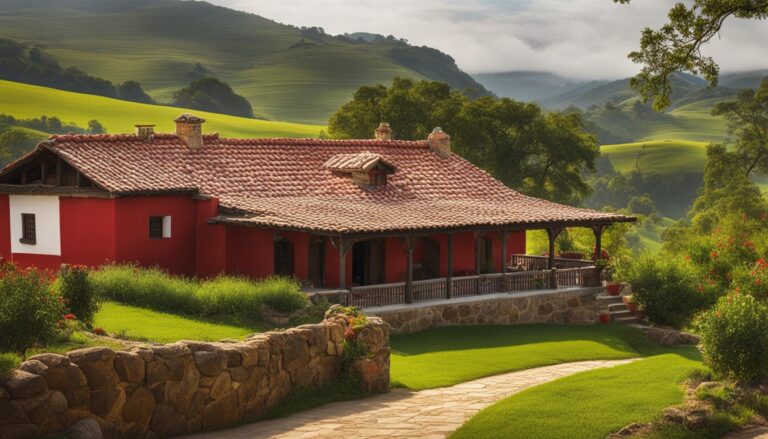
<point>432,413</point>
<point>760,432</point>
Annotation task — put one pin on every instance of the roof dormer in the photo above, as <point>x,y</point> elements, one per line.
<point>365,168</point>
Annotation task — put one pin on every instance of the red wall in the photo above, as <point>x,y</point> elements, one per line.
<point>210,240</point>
<point>132,243</point>
<point>250,251</point>
<point>87,230</point>
<point>5,227</point>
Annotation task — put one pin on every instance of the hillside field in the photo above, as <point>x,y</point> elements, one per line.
<point>662,156</point>
<point>29,101</point>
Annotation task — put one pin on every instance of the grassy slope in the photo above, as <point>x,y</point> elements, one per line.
<point>26,101</point>
<point>663,156</point>
<point>143,324</point>
<point>588,405</point>
<point>447,356</point>
<point>118,41</point>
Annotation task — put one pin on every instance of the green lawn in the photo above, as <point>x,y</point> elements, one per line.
<point>588,405</point>
<point>146,325</point>
<point>447,356</point>
<point>27,101</point>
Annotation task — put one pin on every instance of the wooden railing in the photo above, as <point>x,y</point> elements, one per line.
<point>436,289</point>
<point>532,262</point>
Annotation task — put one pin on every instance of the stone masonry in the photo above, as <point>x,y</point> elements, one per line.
<point>184,387</point>
<point>577,306</point>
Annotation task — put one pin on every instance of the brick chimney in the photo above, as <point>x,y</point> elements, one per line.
<point>383,132</point>
<point>145,132</point>
<point>440,142</point>
<point>189,129</point>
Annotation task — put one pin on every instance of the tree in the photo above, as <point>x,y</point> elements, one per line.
<point>677,45</point>
<point>747,118</point>
<point>95,127</point>
<point>211,94</point>
<point>132,91</point>
<point>541,154</point>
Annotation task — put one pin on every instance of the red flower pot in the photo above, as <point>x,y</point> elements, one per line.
<point>605,318</point>
<point>632,307</point>
<point>613,289</point>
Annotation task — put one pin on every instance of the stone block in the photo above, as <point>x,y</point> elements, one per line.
<point>130,367</point>
<point>21,384</point>
<point>98,366</point>
<point>139,406</point>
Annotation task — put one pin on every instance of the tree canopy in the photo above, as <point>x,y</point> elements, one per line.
<point>676,46</point>
<point>538,153</point>
<point>211,94</point>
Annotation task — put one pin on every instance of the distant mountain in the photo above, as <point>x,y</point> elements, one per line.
<point>527,86</point>
<point>740,80</point>
<point>285,72</point>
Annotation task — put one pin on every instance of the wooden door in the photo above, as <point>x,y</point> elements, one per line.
<point>316,261</point>
<point>283,257</point>
<point>375,262</point>
<point>431,259</point>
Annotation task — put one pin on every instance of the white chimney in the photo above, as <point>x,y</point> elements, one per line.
<point>383,132</point>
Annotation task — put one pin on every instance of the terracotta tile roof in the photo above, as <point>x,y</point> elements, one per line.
<point>285,183</point>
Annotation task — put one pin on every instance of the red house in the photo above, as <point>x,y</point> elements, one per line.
<point>335,213</point>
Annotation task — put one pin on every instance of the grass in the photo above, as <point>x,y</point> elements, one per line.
<point>588,405</point>
<point>451,355</point>
<point>236,297</point>
<point>662,156</point>
<point>146,325</point>
<point>27,101</point>
<point>60,345</point>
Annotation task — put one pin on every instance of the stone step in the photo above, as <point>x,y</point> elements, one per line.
<point>606,298</point>
<point>626,320</point>
<point>612,307</point>
<point>619,314</point>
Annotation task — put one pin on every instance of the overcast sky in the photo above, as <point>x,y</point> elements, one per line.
<point>576,38</point>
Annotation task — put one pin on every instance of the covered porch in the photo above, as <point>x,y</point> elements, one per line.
<point>454,264</point>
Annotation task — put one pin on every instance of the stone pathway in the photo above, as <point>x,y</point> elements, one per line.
<point>432,413</point>
<point>759,432</point>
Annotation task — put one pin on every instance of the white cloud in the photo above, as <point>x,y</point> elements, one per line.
<point>576,38</point>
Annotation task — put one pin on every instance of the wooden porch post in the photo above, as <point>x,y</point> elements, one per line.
<point>410,243</point>
<point>598,231</point>
<point>504,234</point>
<point>449,274</point>
<point>552,233</point>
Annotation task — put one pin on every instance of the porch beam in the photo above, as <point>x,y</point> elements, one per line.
<point>449,273</point>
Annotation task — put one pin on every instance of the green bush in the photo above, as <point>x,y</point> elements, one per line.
<point>666,290</point>
<point>222,296</point>
<point>734,337</point>
<point>29,309</point>
<point>78,294</point>
<point>147,287</point>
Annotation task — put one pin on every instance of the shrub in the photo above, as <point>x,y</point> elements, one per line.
<point>147,287</point>
<point>78,294</point>
<point>222,296</point>
<point>666,290</point>
<point>281,294</point>
<point>734,337</point>
<point>29,309</point>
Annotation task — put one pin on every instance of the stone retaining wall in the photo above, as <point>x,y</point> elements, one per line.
<point>184,387</point>
<point>575,306</point>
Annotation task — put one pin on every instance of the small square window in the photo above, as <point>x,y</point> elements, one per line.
<point>155,227</point>
<point>159,227</point>
<point>28,229</point>
<point>378,178</point>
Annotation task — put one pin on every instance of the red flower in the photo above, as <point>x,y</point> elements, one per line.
<point>713,254</point>
<point>70,316</point>
<point>758,281</point>
<point>718,314</point>
<point>349,334</point>
<point>99,331</point>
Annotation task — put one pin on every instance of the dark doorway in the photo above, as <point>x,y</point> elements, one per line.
<point>431,260</point>
<point>283,257</point>
<point>486,255</point>
<point>368,262</point>
<point>316,261</point>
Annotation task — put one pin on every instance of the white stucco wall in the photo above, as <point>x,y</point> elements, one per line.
<point>47,224</point>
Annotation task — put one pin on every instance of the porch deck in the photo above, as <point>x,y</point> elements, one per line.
<point>525,273</point>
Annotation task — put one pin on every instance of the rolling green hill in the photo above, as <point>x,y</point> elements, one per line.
<point>662,156</point>
<point>286,72</point>
<point>28,101</point>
